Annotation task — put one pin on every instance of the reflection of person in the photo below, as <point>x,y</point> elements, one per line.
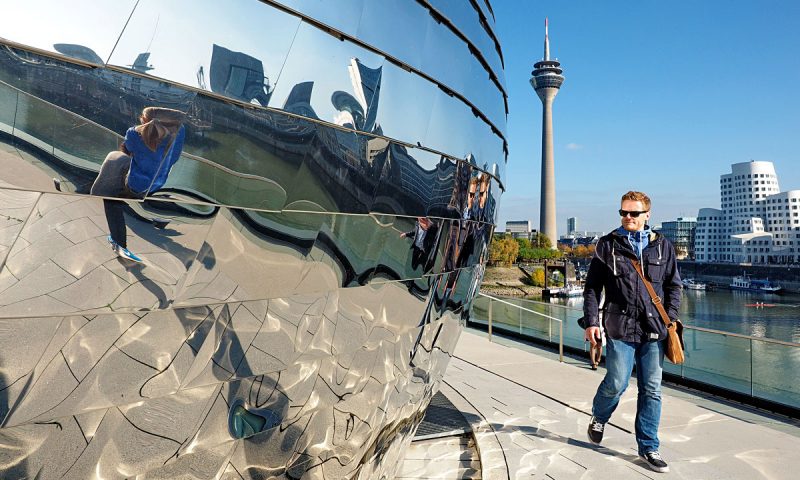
<point>424,237</point>
<point>139,167</point>
<point>634,330</point>
<point>483,196</point>
<point>466,240</point>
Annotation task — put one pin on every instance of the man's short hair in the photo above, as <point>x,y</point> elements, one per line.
<point>637,197</point>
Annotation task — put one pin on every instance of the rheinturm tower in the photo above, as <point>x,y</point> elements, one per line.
<point>546,79</point>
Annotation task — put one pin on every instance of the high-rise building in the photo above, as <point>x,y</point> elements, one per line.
<point>546,79</point>
<point>757,223</point>
<point>519,228</point>
<point>572,225</point>
<point>681,233</point>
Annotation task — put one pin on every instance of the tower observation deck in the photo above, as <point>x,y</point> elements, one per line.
<point>546,79</point>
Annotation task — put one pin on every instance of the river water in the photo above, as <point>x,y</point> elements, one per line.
<point>735,312</point>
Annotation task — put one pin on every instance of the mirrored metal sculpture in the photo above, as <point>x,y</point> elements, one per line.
<point>236,240</point>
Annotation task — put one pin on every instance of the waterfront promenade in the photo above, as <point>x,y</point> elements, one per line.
<point>529,415</point>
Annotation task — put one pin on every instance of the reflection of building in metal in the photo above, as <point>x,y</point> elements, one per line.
<point>78,51</point>
<point>361,110</point>
<point>299,100</point>
<point>367,88</point>
<point>546,79</point>
<point>140,64</point>
<point>238,75</point>
<point>279,326</point>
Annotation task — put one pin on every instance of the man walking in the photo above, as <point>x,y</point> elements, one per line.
<point>634,329</point>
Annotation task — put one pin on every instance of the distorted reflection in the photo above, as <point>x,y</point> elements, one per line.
<point>423,238</point>
<point>237,75</point>
<point>140,166</point>
<point>307,260</point>
<point>359,112</point>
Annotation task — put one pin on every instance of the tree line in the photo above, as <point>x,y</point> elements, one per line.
<point>506,250</point>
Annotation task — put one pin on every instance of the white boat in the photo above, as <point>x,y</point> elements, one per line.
<point>567,291</point>
<point>744,282</point>
<point>692,284</point>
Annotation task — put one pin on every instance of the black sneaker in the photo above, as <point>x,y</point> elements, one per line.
<point>595,431</point>
<point>655,462</point>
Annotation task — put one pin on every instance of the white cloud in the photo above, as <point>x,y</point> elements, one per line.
<point>574,146</point>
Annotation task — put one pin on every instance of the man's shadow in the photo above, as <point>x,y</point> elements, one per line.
<point>548,435</point>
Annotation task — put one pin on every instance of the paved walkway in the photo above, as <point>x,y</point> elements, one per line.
<point>530,413</point>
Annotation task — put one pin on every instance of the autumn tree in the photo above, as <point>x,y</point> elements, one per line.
<point>503,250</point>
<point>540,240</point>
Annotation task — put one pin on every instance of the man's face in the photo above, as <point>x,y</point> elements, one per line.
<point>473,191</point>
<point>630,223</point>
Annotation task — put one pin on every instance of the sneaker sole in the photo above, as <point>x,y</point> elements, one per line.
<point>653,467</point>
<point>129,258</point>
<point>591,440</point>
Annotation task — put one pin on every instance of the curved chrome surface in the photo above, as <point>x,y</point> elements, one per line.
<point>283,321</point>
<point>285,58</point>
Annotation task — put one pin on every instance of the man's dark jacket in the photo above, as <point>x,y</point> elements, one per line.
<point>629,313</point>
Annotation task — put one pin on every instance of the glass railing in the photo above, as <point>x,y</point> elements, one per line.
<point>761,368</point>
<point>56,131</point>
<point>81,143</point>
<point>507,315</point>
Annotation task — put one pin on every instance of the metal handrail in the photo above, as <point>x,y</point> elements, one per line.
<point>740,335</point>
<point>560,322</point>
<point>686,327</point>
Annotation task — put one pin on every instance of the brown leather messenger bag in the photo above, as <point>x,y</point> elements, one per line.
<point>673,348</point>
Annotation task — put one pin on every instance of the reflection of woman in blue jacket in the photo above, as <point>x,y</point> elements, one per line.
<point>141,166</point>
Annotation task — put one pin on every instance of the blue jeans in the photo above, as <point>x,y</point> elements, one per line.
<point>620,358</point>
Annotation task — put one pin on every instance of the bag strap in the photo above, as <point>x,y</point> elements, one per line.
<point>655,298</point>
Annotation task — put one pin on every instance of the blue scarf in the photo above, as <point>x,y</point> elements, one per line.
<point>638,240</point>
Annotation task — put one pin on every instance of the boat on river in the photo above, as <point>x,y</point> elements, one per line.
<point>692,284</point>
<point>568,291</point>
<point>745,282</point>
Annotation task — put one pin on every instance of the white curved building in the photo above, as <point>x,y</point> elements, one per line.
<point>757,222</point>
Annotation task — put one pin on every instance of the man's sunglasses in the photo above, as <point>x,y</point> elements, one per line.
<point>633,214</point>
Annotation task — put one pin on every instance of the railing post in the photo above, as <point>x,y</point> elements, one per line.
<point>561,342</point>
<point>751,368</point>
<point>490,319</point>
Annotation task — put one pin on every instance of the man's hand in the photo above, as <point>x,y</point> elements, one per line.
<point>592,334</point>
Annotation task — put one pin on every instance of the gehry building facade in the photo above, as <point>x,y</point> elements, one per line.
<point>757,223</point>
<point>287,320</point>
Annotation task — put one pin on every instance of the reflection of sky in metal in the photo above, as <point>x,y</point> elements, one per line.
<point>183,43</point>
<point>268,35</point>
<point>42,23</point>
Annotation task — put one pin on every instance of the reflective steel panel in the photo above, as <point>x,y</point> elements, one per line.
<point>344,16</point>
<point>241,255</point>
<point>398,117</point>
<point>88,36</point>
<point>227,54</point>
<point>338,80</point>
<point>466,19</point>
<point>404,39</point>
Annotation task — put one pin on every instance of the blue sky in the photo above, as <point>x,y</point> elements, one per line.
<point>659,96</point>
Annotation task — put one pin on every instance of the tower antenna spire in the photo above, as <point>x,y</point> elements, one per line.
<point>546,42</point>
<point>546,79</point>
